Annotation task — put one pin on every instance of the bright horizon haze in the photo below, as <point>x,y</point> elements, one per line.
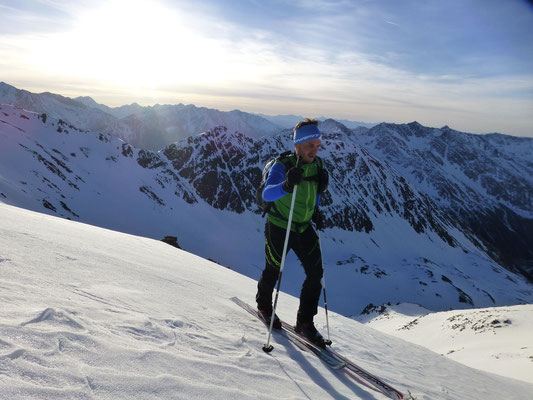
<point>463,63</point>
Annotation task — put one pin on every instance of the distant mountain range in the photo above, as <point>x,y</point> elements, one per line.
<point>151,127</point>
<point>414,214</point>
<point>289,121</point>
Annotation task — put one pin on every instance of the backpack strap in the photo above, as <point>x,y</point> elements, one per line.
<point>284,159</point>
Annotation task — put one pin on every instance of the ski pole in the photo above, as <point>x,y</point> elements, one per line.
<point>267,348</point>
<point>324,285</point>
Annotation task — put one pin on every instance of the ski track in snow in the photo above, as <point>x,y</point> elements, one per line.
<point>89,313</point>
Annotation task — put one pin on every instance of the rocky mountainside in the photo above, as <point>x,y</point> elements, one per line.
<point>225,169</point>
<point>484,182</point>
<point>386,241</point>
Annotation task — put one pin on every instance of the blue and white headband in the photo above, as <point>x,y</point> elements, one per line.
<point>306,133</point>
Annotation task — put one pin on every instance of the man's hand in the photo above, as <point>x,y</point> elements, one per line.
<point>292,178</point>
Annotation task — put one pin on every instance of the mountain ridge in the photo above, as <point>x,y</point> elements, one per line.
<point>481,181</point>
<point>382,233</point>
<point>149,128</point>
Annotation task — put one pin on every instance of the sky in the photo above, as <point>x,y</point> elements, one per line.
<point>463,63</point>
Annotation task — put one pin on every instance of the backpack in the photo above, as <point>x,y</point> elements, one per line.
<point>263,205</point>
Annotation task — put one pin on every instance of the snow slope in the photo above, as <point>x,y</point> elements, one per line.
<point>496,339</point>
<point>89,313</point>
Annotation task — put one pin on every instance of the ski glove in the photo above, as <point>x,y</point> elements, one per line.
<point>318,219</point>
<point>323,180</point>
<point>292,178</point>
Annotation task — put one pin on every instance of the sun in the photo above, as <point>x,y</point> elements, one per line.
<point>131,43</point>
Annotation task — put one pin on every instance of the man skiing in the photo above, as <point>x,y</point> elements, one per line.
<point>304,169</point>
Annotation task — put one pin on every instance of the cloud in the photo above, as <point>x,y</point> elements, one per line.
<point>392,23</point>
<point>332,59</point>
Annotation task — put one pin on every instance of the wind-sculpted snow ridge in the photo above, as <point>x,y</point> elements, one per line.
<point>385,241</point>
<point>89,313</point>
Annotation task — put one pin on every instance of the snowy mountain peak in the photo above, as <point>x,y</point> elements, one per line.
<point>89,101</point>
<point>334,127</point>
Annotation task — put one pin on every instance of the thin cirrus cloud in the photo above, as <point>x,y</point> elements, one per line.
<point>467,63</point>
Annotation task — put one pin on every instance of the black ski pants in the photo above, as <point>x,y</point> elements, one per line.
<point>307,248</point>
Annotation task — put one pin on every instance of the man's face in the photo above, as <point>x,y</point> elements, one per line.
<point>308,150</point>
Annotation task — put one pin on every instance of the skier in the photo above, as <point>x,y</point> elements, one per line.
<point>305,169</point>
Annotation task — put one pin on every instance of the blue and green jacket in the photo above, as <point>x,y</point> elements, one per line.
<point>307,196</point>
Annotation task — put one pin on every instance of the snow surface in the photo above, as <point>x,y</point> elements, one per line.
<point>494,339</point>
<point>89,313</point>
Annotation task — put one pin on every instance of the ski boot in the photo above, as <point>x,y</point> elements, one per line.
<point>267,315</point>
<point>308,330</point>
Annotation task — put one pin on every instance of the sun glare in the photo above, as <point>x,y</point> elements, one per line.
<point>132,43</point>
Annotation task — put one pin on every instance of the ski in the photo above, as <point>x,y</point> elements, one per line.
<point>383,387</point>
<point>324,354</point>
<point>331,357</point>
<point>360,372</point>
<point>367,376</point>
